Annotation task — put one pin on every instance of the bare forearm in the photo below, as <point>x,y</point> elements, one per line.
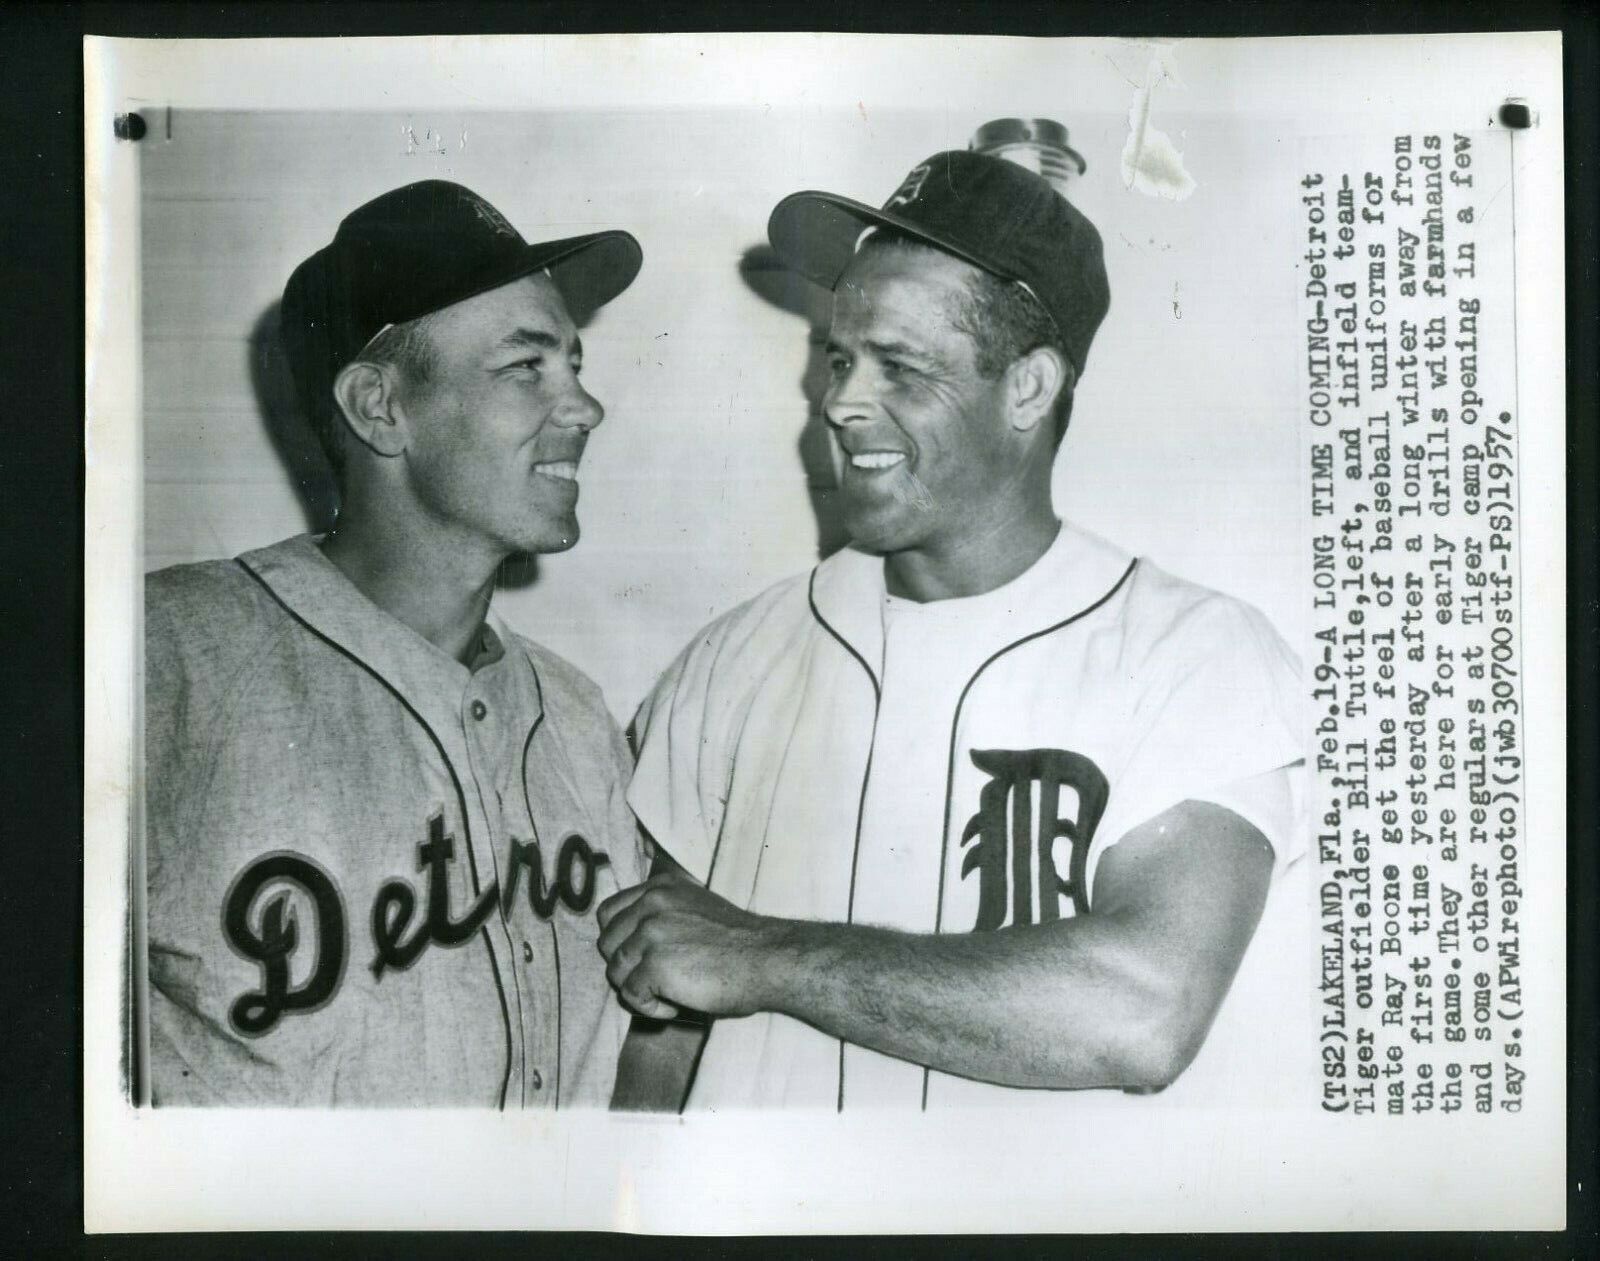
<point>1059,1005</point>
<point>1121,995</point>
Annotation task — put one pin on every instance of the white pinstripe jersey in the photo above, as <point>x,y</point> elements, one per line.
<point>962,770</point>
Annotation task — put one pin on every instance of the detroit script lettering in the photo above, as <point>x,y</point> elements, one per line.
<point>397,944</point>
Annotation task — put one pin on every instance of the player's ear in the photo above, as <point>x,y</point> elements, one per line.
<point>1033,382</point>
<point>366,394</point>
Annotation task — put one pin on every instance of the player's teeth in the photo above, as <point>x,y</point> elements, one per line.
<point>566,470</point>
<point>877,459</point>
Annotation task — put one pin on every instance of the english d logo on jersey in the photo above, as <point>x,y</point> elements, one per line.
<point>1009,846</point>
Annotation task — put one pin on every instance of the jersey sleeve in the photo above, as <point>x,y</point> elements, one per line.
<point>173,735</point>
<point>200,641</point>
<point>1219,719</point>
<point>1274,804</point>
<point>626,843</point>
<point>680,782</point>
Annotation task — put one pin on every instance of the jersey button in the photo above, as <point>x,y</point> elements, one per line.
<point>479,709</point>
<point>535,1080</point>
<point>527,953</point>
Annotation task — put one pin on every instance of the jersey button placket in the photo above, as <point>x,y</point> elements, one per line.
<point>481,733</point>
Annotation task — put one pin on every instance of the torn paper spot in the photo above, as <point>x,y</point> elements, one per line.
<point>911,491</point>
<point>1150,162</point>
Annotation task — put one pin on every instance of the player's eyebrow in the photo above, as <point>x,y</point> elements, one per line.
<point>520,338</point>
<point>894,350</point>
<point>883,350</point>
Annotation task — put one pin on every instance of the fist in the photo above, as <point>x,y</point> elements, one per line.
<point>671,946</point>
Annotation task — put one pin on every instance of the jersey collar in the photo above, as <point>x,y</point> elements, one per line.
<point>1078,570</point>
<point>316,592</point>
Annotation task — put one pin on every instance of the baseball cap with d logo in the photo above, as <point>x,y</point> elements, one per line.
<point>417,250</point>
<point>985,210</point>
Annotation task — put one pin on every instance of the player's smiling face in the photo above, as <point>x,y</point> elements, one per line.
<point>499,423</point>
<point>926,454</point>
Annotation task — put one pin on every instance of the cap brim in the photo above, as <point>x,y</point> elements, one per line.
<point>588,270</point>
<point>816,234</point>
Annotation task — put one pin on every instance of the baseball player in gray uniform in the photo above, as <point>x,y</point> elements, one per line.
<point>378,821</point>
<point>982,810</point>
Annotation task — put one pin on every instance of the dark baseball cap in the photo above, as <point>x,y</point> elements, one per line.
<point>985,210</point>
<point>417,250</point>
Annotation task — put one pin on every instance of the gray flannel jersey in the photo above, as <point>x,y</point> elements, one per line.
<point>372,871</point>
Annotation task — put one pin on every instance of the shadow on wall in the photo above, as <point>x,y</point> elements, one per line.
<point>773,281</point>
<point>301,455</point>
<point>292,439</point>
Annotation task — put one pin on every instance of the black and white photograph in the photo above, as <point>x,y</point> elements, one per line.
<point>747,634</point>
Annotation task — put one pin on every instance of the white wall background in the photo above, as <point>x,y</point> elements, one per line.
<point>695,491</point>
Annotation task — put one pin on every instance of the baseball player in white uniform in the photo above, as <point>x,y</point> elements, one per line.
<point>378,822</point>
<point>982,804</point>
